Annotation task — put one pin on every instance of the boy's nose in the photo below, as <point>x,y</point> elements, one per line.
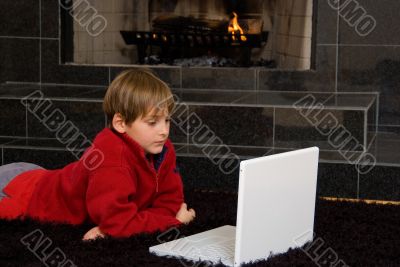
<point>164,129</point>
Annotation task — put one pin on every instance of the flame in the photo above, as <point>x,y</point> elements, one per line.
<point>234,28</point>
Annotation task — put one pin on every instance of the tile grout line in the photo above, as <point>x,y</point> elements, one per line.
<point>377,114</point>
<point>256,85</point>
<point>44,148</point>
<point>358,185</point>
<point>360,45</point>
<point>56,84</point>
<point>273,129</point>
<point>390,125</point>
<point>337,51</point>
<point>370,104</point>
<point>76,99</point>
<point>187,126</point>
<point>59,34</point>
<point>181,78</point>
<point>26,122</point>
<point>193,89</point>
<point>370,143</point>
<point>81,98</point>
<point>28,38</point>
<point>365,136</point>
<point>40,42</point>
<point>59,23</point>
<point>263,147</point>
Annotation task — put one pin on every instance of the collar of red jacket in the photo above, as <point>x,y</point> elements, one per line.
<point>139,152</point>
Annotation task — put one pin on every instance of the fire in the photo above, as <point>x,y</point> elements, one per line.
<point>234,28</point>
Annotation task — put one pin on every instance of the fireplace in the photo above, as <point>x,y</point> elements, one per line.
<point>215,33</point>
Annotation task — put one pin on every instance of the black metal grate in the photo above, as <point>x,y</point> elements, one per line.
<point>194,39</point>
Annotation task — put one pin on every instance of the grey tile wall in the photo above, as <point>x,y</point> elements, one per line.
<point>384,31</point>
<point>178,131</point>
<point>322,79</point>
<point>200,173</point>
<point>19,18</point>
<point>12,118</point>
<point>170,75</point>
<point>386,147</point>
<point>382,182</point>
<point>240,126</point>
<point>87,117</point>
<point>327,23</point>
<point>49,21</point>
<point>49,159</point>
<point>292,130</point>
<point>389,128</point>
<point>370,62</point>
<point>370,69</point>
<point>337,180</point>
<point>372,118</point>
<point>19,60</point>
<point>53,72</point>
<point>240,119</point>
<point>223,78</point>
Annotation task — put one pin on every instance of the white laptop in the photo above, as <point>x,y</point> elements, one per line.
<point>276,205</point>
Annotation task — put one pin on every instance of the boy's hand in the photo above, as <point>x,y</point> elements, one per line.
<point>184,215</point>
<point>93,234</point>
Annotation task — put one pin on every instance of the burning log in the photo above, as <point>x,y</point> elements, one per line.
<point>189,25</point>
<point>174,24</point>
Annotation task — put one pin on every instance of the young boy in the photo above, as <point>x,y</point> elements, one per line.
<point>129,186</point>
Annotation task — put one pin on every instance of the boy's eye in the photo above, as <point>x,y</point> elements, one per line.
<point>151,122</point>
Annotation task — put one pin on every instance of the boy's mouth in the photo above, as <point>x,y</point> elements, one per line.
<point>159,142</point>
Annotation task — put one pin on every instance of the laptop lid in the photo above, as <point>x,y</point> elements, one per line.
<point>276,203</point>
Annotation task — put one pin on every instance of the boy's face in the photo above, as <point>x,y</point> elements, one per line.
<point>150,131</point>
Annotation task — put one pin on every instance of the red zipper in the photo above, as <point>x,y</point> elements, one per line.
<point>151,165</point>
<point>156,182</point>
<point>159,168</point>
<point>155,171</point>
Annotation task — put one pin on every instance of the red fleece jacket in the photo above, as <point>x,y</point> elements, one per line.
<point>113,185</point>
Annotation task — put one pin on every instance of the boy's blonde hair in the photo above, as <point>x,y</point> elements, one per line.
<point>134,93</point>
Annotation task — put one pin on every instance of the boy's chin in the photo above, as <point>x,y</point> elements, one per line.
<point>154,150</point>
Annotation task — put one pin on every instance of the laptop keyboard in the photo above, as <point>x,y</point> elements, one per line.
<point>221,250</point>
<point>214,252</point>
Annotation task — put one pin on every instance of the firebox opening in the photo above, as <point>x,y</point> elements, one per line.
<point>216,33</point>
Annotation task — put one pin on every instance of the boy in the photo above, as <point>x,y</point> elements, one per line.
<point>129,186</point>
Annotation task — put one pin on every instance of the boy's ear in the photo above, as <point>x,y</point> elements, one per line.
<point>118,123</point>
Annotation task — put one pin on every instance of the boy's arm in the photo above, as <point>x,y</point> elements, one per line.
<point>110,206</point>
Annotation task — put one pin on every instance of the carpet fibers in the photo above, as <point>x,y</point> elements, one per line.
<point>346,234</point>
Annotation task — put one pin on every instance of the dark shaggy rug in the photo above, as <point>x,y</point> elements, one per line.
<point>346,234</point>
